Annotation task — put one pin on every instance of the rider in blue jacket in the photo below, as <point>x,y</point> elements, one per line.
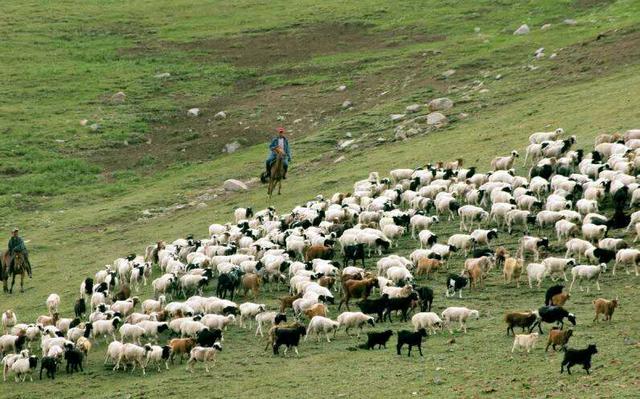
<point>282,143</point>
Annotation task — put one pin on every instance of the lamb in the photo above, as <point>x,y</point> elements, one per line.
<point>578,356</point>
<point>320,324</point>
<point>181,346</point>
<point>411,339</point>
<point>627,256</point>
<point>587,272</point>
<point>462,241</point>
<point>105,327</point>
<point>134,354</point>
<point>49,364</point>
<point>537,272</point>
<point>520,319</point>
<point>555,266</point>
<point>24,366</point>
<point>593,233</point>
<point>9,320</point>
<point>354,320</point>
<point>504,163</point>
<point>512,269</point>
<point>606,307</point>
<point>377,338</point>
<point>53,303</point>
<point>526,341</point>
<point>459,314</point>
<point>540,137</point>
<point>74,359</point>
<point>158,354</point>
<point>558,337</point>
<point>249,310</point>
<point>205,355</point>
<point>427,320</point>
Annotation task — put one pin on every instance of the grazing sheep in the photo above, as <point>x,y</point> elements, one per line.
<point>411,339</point>
<point>484,237</point>
<point>53,303</point>
<point>181,346</point>
<point>9,320</point>
<point>426,320</point>
<point>272,318</point>
<point>578,356</point>
<point>12,343</point>
<point>375,306</point>
<point>526,341</point>
<point>578,248</point>
<point>427,265</point>
<point>459,314</point>
<point>555,266</point>
<point>524,320</point>
<point>512,270</point>
<point>593,233</point>
<point>357,289</point>
<point>249,310</point>
<point>553,314</point>
<point>204,355</point>
<point>533,245</point>
<point>565,230</point>
<point>464,242</point>
<point>537,272</point>
<point>354,320</point>
<point>74,358</point>
<point>587,272</point>
<point>606,307</point>
<point>455,283</point>
<point>377,338</point>
<point>540,137</point>
<point>321,324</point>
<point>627,256</point>
<point>289,337</point>
<point>134,354</point>
<point>470,214</point>
<point>558,337</point>
<point>24,366</point>
<point>504,163</point>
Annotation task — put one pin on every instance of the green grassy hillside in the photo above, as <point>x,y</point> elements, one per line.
<point>83,198</point>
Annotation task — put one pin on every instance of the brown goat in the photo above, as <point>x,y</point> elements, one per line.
<point>123,294</point>
<point>560,299</point>
<point>251,281</point>
<point>48,320</point>
<point>605,307</point>
<point>180,346</point>
<point>427,265</point>
<point>287,301</point>
<point>558,337</point>
<point>512,270</point>
<point>356,289</point>
<point>457,164</point>
<point>318,252</point>
<point>501,254</point>
<point>318,309</point>
<point>327,282</point>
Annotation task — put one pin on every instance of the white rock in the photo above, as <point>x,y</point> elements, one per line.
<point>220,115</point>
<point>297,121</point>
<point>463,115</point>
<point>341,88</point>
<point>498,76</point>
<point>347,104</point>
<point>162,75</point>
<point>83,122</point>
<point>344,144</point>
<point>119,97</point>
<point>232,147</point>
<point>545,26</point>
<point>440,104</point>
<point>522,30</point>
<point>201,205</point>
<point>234,185</point>
<point>400,135</point>
<point>397,117</point>
<point>538,51</point>
<point>413,108</point>
<point>94,127</point>
<point>193,112</point>
<point>339,159</point>
<point>569,21</point>
<point>436,118</point>
<point>348,134</point>
<point>476,29</point>
<point>448,73</point>
<point>483,91</point>
<point>552,56</point>
<point>539,56</point>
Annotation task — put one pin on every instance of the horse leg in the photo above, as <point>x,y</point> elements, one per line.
<point>279,186</point>
<point>13,281</point>
<point>22,281</point>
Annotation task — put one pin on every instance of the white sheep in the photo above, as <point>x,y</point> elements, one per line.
<point>484,236</point>
<point>113,353</point>
<point>517,217</point>
<point>585,206</point>
<point>320,324</point>
<point>499,213</point>
<point>555,266</point>
<point>532,244</point>
<point>204,355</point>
<point>248,311</point>
<point>134,354</point>
<point>393,232</point>
<point>9,343</point>
<point>464,242</point>
<point>470,214</point>
<point>192,283</point>
<point>537,272</point>
<point>587,272</point>
<point>153,328</point>
<point>627,256</point>
<point>104,328</point>
<point>158,354</point>
<point>53,303</point>
<point>526,341</point>
<point>421,222</point>
<point>399,275</point>
<point>565,229</point>
<point>9,320</point>
<point>23,367</point>
<point>459,314</point>
<point>504,163</point>
<point>354,320</point>
<point>151,305</point>
<point>191,328</point>
<point>425,320</point>
<point>125,307</point>
<point>539,137</point>
<point>163,284</point>
<point>577,247</point>
<point>216,321</point>
<point>593,233</point>
<point>548,218</point>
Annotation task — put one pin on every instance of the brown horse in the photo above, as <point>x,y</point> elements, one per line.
<point>275,175</point>
<point>19,267</point>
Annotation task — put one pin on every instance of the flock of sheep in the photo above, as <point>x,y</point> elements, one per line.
<point>309,252</point>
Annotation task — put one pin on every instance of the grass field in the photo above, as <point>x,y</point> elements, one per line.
<point>79,195</point>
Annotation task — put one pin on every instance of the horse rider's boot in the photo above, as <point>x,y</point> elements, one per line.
<point>284,176</point>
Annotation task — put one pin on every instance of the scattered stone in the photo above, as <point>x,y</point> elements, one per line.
<point>400,135</point>
<point>381,139</point>
<point>339,159</point>
<point>146,212</point>
<point>440,104</point>
<point>345,143</point>
<point>348,134</point>
<point>552,56</point>
<point>234,185</point>
<point>193,112</point>
<point>448,73</point>
<point>437,380</point>
<point>451,341</point>
<point>397,117</point>
<point>570,22</point>
<point>59,141</point>
<point>476,29</point>
<point>232,147</point>
<point>436,119</point>
<point>347,104</point>
<point>94,127</point>
<point>384,93</point>
<point>545,26</point>
<point>538,51</point>
<point>341,88</point>
<point>629,341</point>
<point>498,76</point>
<point>119,97</point>
<point>539,56</point>
<point>463,115</point>
<point>413,108</point>
<point>83,122</point>
<point>280,118</point>
<point>220,115</point>
<point>162,75</point>
<point>201,205</point>
<point>532,67</point>
<point>522,30</point>
<point>297,121</point>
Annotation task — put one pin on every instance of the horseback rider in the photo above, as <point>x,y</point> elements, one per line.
<point>16,245</point>
<point>279,145</point>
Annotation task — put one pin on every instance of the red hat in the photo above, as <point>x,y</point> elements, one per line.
<point>280,129</point>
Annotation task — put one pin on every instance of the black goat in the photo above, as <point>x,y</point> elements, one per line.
<point>354,252</point>
<point>375,306</point>
<point>377,338</point>
<point>604,255</point>
<point>51,365</point>
<point>74,359</point>
<point>553,314</point>
<point>425,298</point>
<point>578,356</point>
<point>290,337</point>
<point>551,291</point>
<point>411,339</point>
<point>80,307</point>
<point>208,337</point>
<point>402,304</point>
<point>228,282</point>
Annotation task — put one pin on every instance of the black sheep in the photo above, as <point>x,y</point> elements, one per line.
<point>604,255</point>
<point>621,197</point>
<point>425,297</point>
<point>80,308</point>
<point>208,337</point>
<point>228,282</point>
<point>74,359</point>
<point>551,291</point>
<point>51,365</point>
<point>290,337</point>
<point>578,356</point>
<point>354,252</point>
<point>480,252</point>
<point>456,283</point>
<point>377,338</point>
<point>412,339</point>
<point>619,219</point>
<point>553,314</point>
<point>544,171</point>
<point>88,286</point>
<point>402,304</point>
<point>375,306</point>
